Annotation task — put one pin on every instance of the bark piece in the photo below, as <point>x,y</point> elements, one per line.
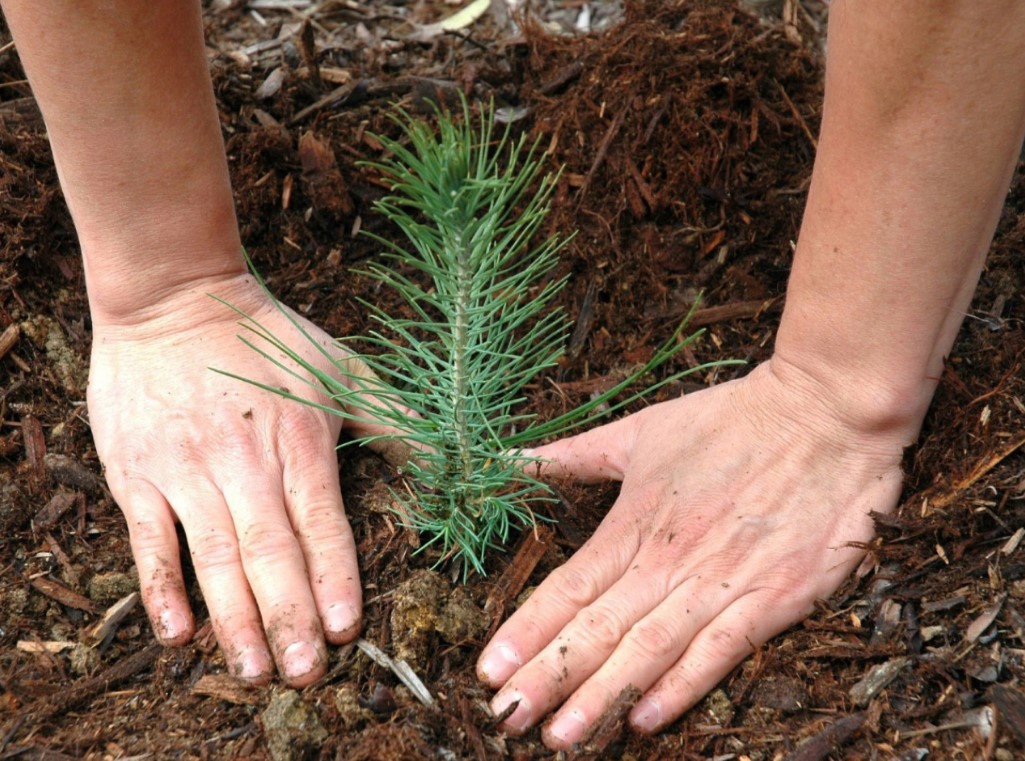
<point>877,678</point>
<point>63,595</point>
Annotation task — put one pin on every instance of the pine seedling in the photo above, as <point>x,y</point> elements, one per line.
<point>471,206</point>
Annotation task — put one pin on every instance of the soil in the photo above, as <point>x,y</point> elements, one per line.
<point>686,134</point>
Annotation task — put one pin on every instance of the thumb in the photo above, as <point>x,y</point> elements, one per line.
<point>393,447</point>
<point>602,453</point>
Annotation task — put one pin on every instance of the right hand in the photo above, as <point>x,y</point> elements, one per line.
<point>251,476</point>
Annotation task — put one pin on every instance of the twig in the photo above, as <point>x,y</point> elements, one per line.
<point>603,149</point>
<point>401,669</point>
<point>515,575</point>
<point>63,595</point>
<point>725,312</point>
<point>115,615</point>
<point>981,469</point>
<point>339,94</point>
<point>800,119</point>
<point>83,689</point>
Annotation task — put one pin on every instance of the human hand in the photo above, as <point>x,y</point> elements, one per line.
<point>740,506</point>
<point>251,476</point>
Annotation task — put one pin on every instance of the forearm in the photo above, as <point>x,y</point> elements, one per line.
<point>922,124</point>
<point>125,91</point>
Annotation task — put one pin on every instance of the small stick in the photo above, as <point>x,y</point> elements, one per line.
<point>339,94</point>
<point>514,577</point>
<point>401,669</point>
<point>981,469</point>
<point>115,615</point>
<point>800,119</point>
<point>610,723</point>
<point>80,691</point>
<point>48,646</point>
<point>63,595</point>
<point>603,149</point>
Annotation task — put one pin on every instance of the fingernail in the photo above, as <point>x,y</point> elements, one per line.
<point>520,718</point>
<point>568,727</point>
<point>172,625</point>
<point>252,663</point>
<point>647,714</point>
<point>340,618</point>
<point>500,663</point>
<point>299,659</point>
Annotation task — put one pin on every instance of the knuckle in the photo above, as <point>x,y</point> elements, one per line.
<point>301,426</point>
<point>576,586</point>
<point>654,639</point>
<point>267,541</point>
<point>322,520</point>
<point>214,549</point>
<point>601,626</point>
<point>723,646</point>
<point>148,537</point>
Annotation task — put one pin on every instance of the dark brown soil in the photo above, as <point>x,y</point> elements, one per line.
<point>685,133</point>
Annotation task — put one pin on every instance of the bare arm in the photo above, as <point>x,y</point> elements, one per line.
<point>923,122</point>
<point>126,94</point>
<point>125,91</point>
<point>742,504</point>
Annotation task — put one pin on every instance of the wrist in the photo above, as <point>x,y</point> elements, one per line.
<point>134,270</point>
<point>865,399</point>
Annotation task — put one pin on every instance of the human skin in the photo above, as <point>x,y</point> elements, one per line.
<point>253,479</point>
<point>739,505</point>
<point>742,504</point>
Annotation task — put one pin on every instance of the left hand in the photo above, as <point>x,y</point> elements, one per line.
<point>740,506</point>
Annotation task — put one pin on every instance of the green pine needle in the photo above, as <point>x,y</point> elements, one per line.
<point>470,207</point>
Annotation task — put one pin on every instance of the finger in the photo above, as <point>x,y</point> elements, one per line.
<point>391,444</point>
<point>276,570</point>
<point>599,454</point>
<point>598,632</point>
<point>215,556</point>
<point>647,648</point>
<point>559,598</point>
<point>715,651</point>
<point>313,498</point>
<point>154,541</point>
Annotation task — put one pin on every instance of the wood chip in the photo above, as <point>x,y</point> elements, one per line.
<point>935,606</point>
<point>35,446</point>
<point>877,678</point>
<point>271,86</point>
<point>984,620</point>
<point>610,724</point>
<point>1010,702</point>
<point>49,646</point>
<point>70,472</point>
<point>9,338</point>
<point>532,548</point>
<point>1013,542</point>
<point>227,688</point>
<point>401,669</point>
<point>115,614</point>
<point>77,692</point>
<point>51,512</point>
<point>63,595</point>
<point>828,740</point>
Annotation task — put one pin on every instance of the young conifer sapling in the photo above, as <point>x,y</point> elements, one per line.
<point>479,286</point>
